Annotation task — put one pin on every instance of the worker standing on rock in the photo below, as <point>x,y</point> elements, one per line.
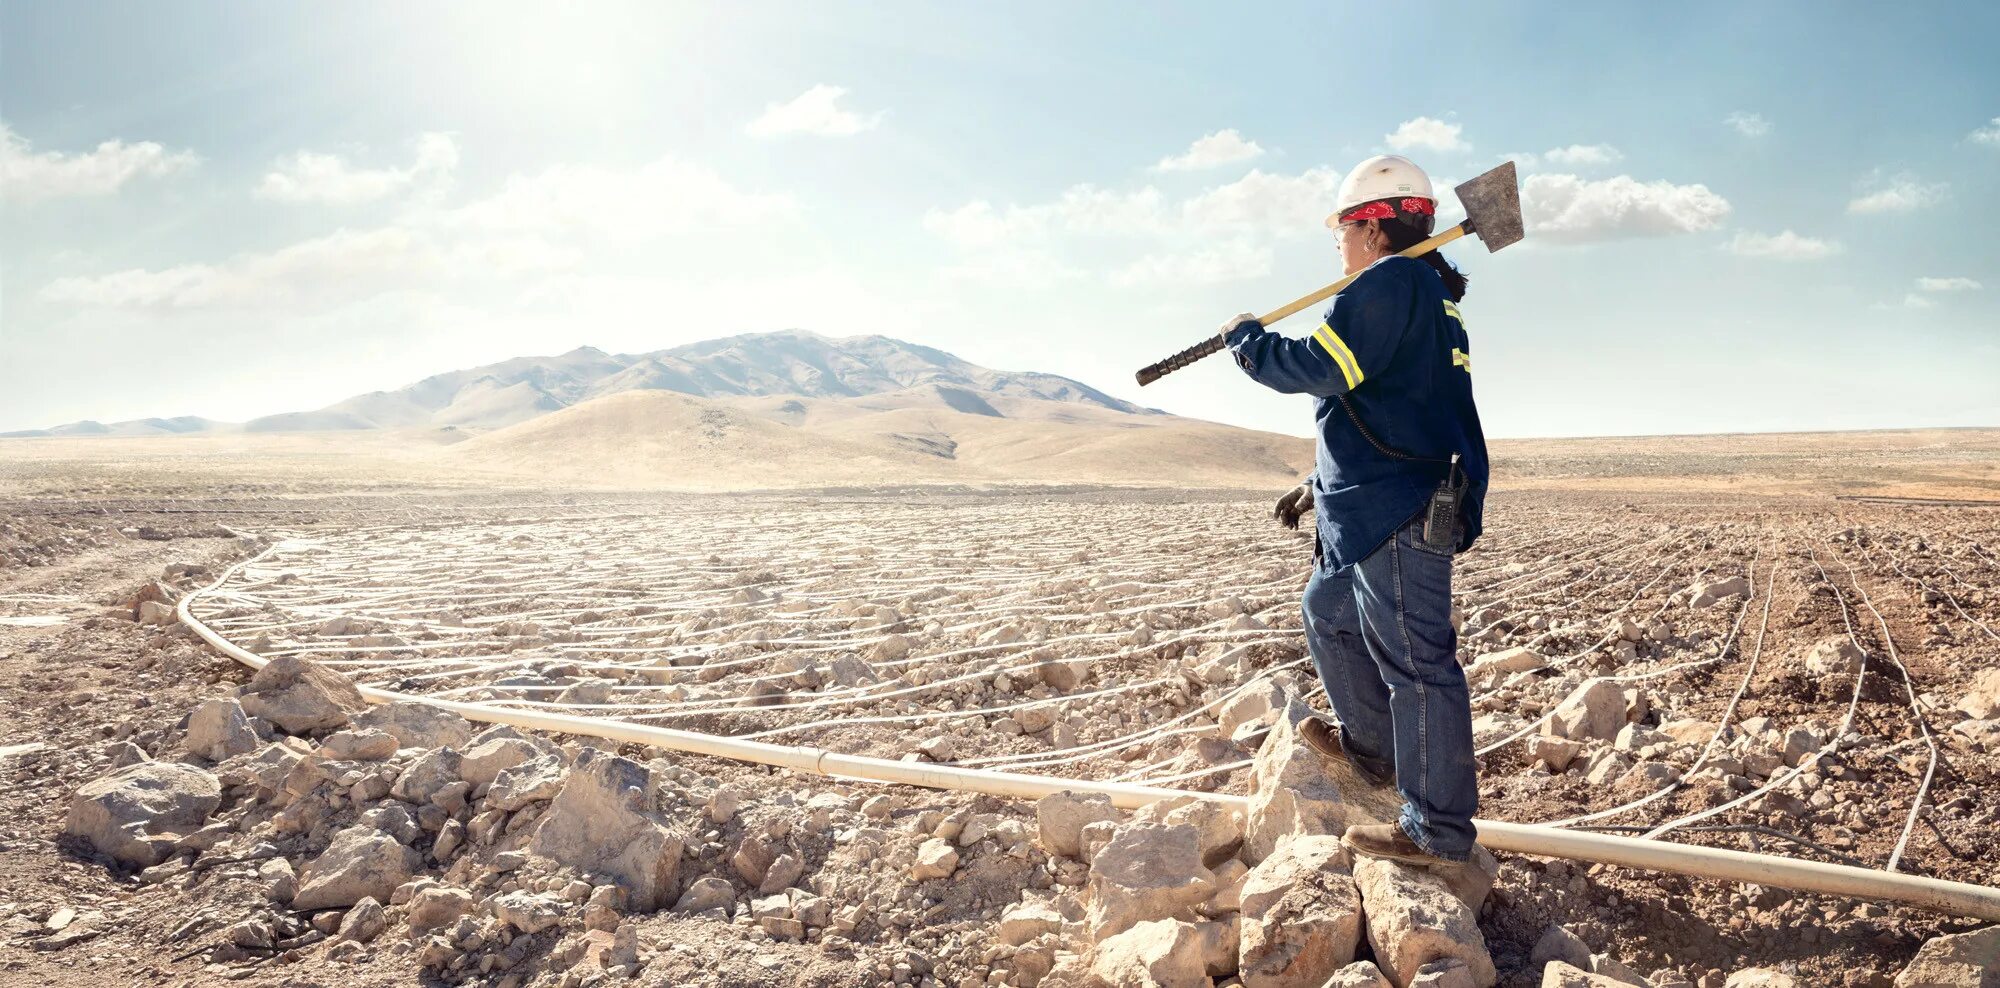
<point>1397,487</point>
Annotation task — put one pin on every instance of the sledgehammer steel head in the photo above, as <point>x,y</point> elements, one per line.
<point>1493,203</point>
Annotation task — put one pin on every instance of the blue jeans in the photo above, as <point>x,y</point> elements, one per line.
<point>1381,638</point>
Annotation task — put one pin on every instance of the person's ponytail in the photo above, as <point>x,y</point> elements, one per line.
<point>1454,281</point>
<point>1403,236</point>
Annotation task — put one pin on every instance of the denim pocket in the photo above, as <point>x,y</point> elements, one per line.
<point>1415,532</point>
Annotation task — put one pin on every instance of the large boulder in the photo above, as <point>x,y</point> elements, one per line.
<point>1295,794</point>
<point>1835,656</point>
<point>1147,871</point>
<point>1060,818</point>
<point>1163,953</point>
<point>136,813</point>
<point>1025,920</point>
<point>431,771</point>
<point>1962,960</point>
<point>1218,824</point>
<point>1982,701</point>
<point>1301,915</point>
<point>1360,974</point>
<point>1716,591</point>
<point>1471,879</point>
<point>712,892</point>
<point>418,725</point>
<point>1760,977</point>
<point>1595,709</point>
<point>936,858</point>
<point>360,863</point>
<point>1563,974</point>
<point>1559,944</point>
<point>267,768</point>
<point>218,730</point>
<point>1496,664</point>
<point>1414,918</point>
<point>301,696</point>
<point>1256,703</point>
<point>437,906</point>
<point>534,780</point>
<point>486,759</point>
<point>364,922</point>
<point>604,820</point>
<point>357,746</point>
<point>528,912</point>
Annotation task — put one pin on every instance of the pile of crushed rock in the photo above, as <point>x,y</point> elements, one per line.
<point>502,856</point>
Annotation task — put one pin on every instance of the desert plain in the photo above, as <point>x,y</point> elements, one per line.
<point>1787,644</point>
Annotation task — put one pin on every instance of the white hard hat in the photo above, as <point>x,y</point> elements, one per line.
<point>1385,176</point>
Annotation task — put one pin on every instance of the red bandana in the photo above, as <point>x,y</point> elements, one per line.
<point>1380,209</point>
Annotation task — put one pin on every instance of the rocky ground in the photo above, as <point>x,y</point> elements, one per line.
<point>1785,675</point>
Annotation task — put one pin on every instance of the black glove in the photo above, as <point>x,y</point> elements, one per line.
<point>1294,503</point>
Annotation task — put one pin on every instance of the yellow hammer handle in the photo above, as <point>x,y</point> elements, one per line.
<point>1334,289</point>
<point>1153,372</point>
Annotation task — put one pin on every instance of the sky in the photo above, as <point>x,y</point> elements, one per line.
<point>1741,216</point>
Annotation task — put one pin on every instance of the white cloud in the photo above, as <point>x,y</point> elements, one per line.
<point>1233,261</point>
<point>1139,236</point>
<point>1748,124</point>
<point>1988,135</point>
<point>1914,301</point>
<point>1782,246</point>
<point>1262,202</point>
<point>27,175</point>
<point>1427,133</point>
<point>1082,209</point>
<point>1948,285</point>
<point>288,275</point>
<point>978,224</point>
<point>1024,268</point>
<point>311,176</point>
<point>1901,194</point>
<point>1224,147</point>
<point>815,111</point>
<point>662,197</point>
<point>534,224</point>
<point>1583,155</point>
<point>1568,209</point>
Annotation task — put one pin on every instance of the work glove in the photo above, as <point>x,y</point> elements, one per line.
<point>1229,325</point>
<point>1294,503</point>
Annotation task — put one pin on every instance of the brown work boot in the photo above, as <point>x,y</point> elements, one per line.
<point>1323,736</point>
<point>1387,840</point>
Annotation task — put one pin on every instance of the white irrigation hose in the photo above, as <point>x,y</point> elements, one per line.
<point>1955,898</point>
<point>1948,596</point>
<point>1833,743</point>
<point>812,760</point>
<point>1909,687</point>
<point>1549,714</point>
<point>1720,727</point>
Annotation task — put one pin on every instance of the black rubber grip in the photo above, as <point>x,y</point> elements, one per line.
<point>1148,375</point>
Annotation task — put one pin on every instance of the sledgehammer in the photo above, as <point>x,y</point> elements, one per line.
<point>1492,210</point>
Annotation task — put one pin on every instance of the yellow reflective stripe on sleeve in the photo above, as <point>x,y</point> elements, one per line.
<point>1350,369</point>
<point>1452,311</point>
<point>1459,358</point>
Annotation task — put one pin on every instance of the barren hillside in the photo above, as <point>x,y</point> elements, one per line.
<point>664,440</point>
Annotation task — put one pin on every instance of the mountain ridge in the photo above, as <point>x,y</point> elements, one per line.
<point>785,362</point>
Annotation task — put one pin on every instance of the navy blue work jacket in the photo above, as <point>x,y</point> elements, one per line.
<point>1391,369</point>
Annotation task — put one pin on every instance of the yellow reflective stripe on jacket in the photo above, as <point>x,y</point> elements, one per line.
<point>1452,311</point>
<point>1342,356</point>
<point>1459,358</point>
